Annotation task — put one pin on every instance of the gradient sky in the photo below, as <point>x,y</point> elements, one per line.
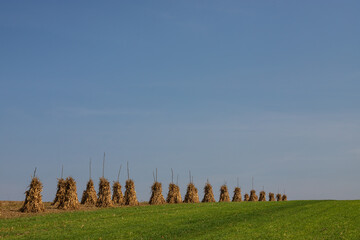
<point>227,89</point>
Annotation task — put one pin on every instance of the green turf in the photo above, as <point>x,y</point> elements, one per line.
<point>246,220</point>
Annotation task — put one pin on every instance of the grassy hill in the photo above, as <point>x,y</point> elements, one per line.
<point>246,220</point>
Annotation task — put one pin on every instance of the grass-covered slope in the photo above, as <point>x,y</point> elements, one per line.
<point>245,220</point>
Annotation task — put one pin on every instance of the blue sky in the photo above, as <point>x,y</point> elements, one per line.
<point>227,89</point>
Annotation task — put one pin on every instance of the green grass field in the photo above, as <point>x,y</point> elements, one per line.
<point>246,220</point>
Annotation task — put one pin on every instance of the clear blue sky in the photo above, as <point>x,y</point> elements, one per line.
<point>228,89</point>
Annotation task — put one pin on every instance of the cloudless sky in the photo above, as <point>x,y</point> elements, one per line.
<point>226,89</point>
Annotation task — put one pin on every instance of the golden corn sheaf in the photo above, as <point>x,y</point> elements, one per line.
<point>271,197</point>
<point>237,195</point>
<point>191,194</point>
<point>104,194</point>
<point>60,192</point>
<point>208,193</point>
<point>262,197</point>
<point>70,201</point>
<point>156,194</point>
<point>174,195</point>
<point>33,199</point>
<point>89,196</point>
<point>246,197</point>
<point>224,194</point>
<point>253,196</point>
<point>117,197</point>
<point>130,193</point>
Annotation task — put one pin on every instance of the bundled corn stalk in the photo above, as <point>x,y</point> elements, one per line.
<point>246,197</point>
<point>33,200</point>
<point>156,195</point>
<point>104,195</point>
<point>174,195</point>
<point>89,195</point>
<point>271,197</point>
<point>237,195</point>
<point>191,195</point>
<point>262,197</point>
<point>117,196</point>
<point>60,193</point>
<point>284,197</point>
<point>70,201</point>
<point>224,194</point>
<point>278,197</point>
<point>208,193</point>
<point>253,196</point>
<point>130,193</point>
